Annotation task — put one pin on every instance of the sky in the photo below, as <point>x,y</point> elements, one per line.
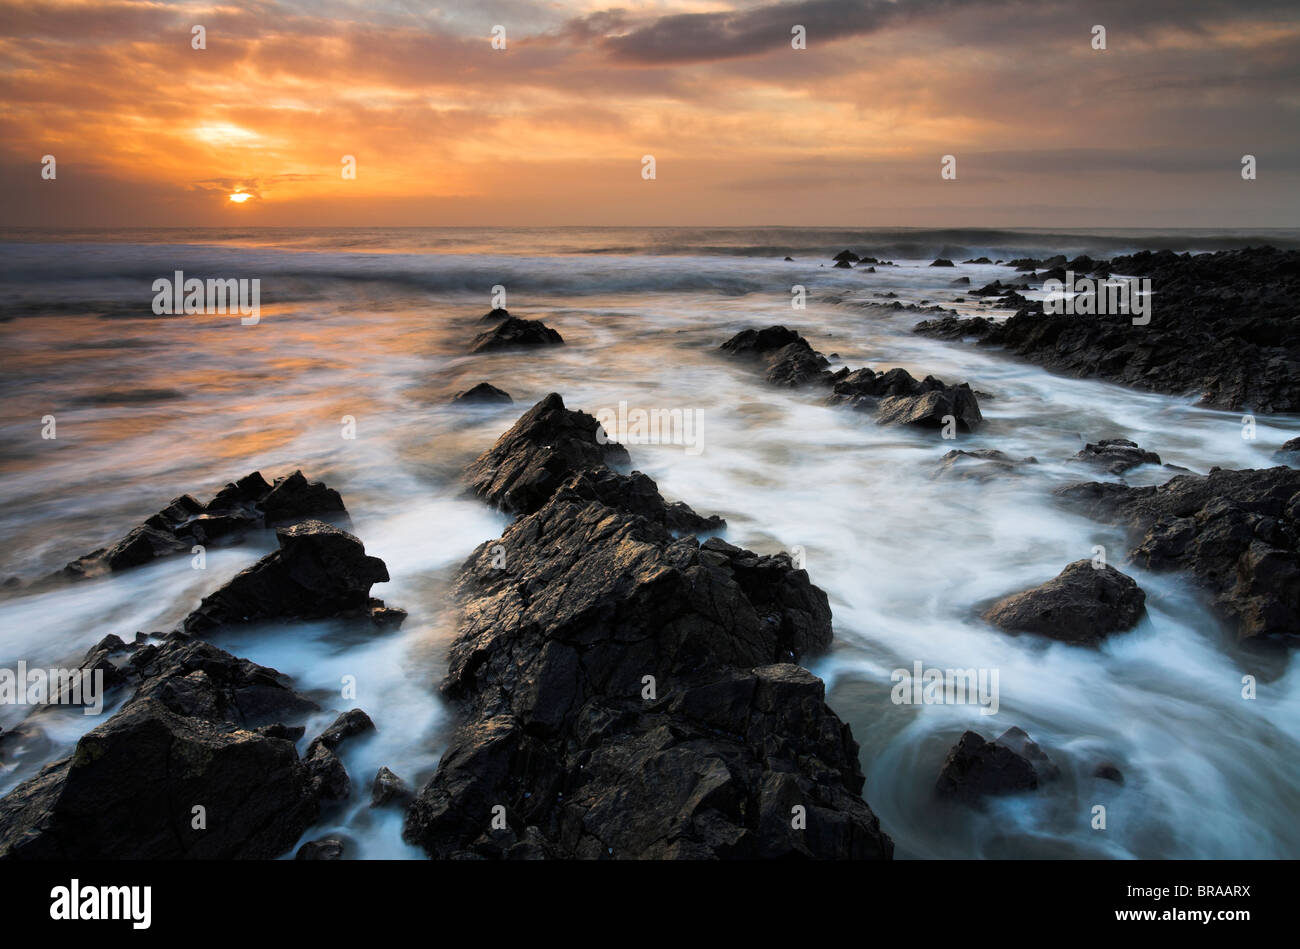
<point>1045,130</point>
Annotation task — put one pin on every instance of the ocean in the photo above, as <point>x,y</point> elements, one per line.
<point>374,325</point>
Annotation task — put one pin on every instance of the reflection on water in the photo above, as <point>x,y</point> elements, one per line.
<point>150,408</point>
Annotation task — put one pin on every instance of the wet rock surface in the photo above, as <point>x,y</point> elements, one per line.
<point>980,464</point>
<point>202,729</point>
<point>1237,532</point>
<point>319,571</point>
<point>1222,328</point>
<point>897,398</point>
<point>1082,605</point>
<point>1116,455</point>
<point>513,332</point>
<point>483,394</point>
<point>241,506</point>
<point>626,693</point>
<point>975,768</point>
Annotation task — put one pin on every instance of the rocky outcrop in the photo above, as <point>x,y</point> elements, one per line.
<point>319,571</point>
<point>976,768</point>
<point>547,445</point>
<point>1116,455</point>
<point>513,333</point>
<point>482,394</point>
<point>626,693</point>
<point>241,506</point>
<point>1082,605</point>
<point>895,396</point>
<point>1237,532</point>
<point>197,764</point>
<point>1223,328</point>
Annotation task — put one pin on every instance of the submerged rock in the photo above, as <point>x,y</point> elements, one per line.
<point>981,464</point>
<point>1116,455</point>
<point>514,332</point>
<point>319,571</point>
<point>327,848</point>
<point>1238,532</point>
<point>976,768</point>
<point>483,394</point>
<point>241,506</point>
<point>388,788</point>
<point>1082,605</point>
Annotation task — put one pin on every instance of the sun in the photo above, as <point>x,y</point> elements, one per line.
<point>239,197</point>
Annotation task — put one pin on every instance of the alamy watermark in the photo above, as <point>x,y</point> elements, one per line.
<point>23,686</point>
<point>1086,296</point>
<point>174,296</point>
<point>652,427</point>
<point>922,686</point>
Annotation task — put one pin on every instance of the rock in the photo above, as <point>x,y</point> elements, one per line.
<point>1289,448</point>
<point>319,571</point>
<point>349,724</point>
<point>960,282</point>
<point>638,494</point>
<point>330,781</point>
<point>388,788</point>
<point>548,676</point>
<point>544,448</point>
<point>515,332</point>
<point>789,258</point>
<point>326,848</point>
<point>942,262</point>
<point>1081,605</point>
<point>791,361</point>
<point>199,731</point>
<point>1237,532</point>
<point>844,265</point>
<point>980,464</point>
<point>482,394</point>
<point>1108,772</point>
<point>976,768</point>
<point>1223,329</point>
<point>846,256</point>
<point>1116,455</point>
<point>241,506</point>
<point>932,409</point>
<point>978,260</point>
<point>495,315</point>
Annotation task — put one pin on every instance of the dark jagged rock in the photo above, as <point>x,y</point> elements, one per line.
<point>791,361</point>
<point>327,848</point>
<point>933,409</point>
<point>1116,455</point>
<point>564,739</point>
<point>960,282</point>
<point>348,725</point>
<point>980,464</point>
<point>388,788</point>
<point>1290,450</point>
<point>942,262</point>
<point>1223,328</point>
<point>977,260</point>
<point>846,256</point>
<point>495,315</point>
<point>1238,532</point>
<point>636,493</point>
<point>514,332</point>
<point>483,394</point>
<point>976,768</point>
<point>319,571</point>
<point>844,265</point>
<point>1082,605</point>
<point>199,731</point>
<point>547,445</point>
<point>247,504</point>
